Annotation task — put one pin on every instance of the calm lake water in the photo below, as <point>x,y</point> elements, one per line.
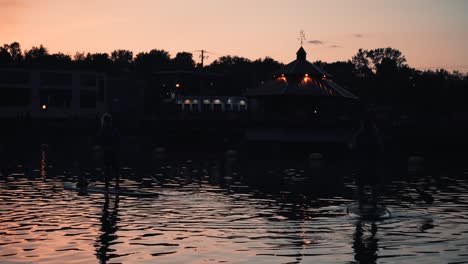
<point>213,208</point>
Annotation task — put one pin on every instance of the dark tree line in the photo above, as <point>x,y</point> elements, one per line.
<point>380,76</point>
<point>240,73</point>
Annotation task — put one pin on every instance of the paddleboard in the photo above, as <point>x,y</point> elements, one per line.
<point>368,211</point>
<point>95,189</point>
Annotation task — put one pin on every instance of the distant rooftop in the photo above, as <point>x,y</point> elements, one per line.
<point>302,78</point>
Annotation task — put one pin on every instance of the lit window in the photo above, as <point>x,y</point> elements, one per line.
<point>187,101</point>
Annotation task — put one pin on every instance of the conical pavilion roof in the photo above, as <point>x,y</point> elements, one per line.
<point>302,78</point>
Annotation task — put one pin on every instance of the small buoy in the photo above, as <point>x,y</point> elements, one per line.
<point>368,211</point>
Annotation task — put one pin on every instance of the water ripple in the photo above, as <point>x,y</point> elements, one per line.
<point>201,218</point>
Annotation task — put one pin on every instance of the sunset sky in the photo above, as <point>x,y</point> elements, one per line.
<point>430,33</point>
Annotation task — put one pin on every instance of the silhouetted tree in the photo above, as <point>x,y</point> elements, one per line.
<point>320,63</point>
<point>263,69</point>
<point>58,60</point>
<point>15,52</point>
<point>183,61</point>
<point>98,61</point>
<point>238,72</point>
<point>361,64</point>
<point>122,57</point>
<point>11,54</point>
<point>79,60</point>
<point>79,56</point>
<point>5,57</point>
<point>36,55</point>
<point>342,71</point>
<point>153,61</point>
<point>387,55</point>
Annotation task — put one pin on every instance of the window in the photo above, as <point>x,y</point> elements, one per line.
<point>55,97</point>
<point>14,97</point>
<point>14,77</point>
<point>88,80</point>
<point>54,78</point>
<point>101,88</point>
<point>88,99</point>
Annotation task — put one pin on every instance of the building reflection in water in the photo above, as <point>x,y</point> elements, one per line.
<point>369,181</point>
<point>109,219</point>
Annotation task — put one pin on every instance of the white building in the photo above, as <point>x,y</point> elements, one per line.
<point>51,93</point>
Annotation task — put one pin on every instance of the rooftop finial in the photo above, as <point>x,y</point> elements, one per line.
<point>301,54</point>
<point>302,37</point>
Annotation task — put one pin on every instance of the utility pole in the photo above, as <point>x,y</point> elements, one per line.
<point>202,57</point>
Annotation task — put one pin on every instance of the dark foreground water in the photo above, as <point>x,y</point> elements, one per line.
<point>210,210</point>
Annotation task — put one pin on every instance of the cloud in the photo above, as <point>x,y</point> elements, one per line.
<point>315,42</point>
<point>335,46</point>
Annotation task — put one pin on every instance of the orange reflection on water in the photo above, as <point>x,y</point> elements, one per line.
<point>43,164</point>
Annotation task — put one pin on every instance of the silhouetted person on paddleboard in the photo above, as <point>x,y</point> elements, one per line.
<point>108,139</point>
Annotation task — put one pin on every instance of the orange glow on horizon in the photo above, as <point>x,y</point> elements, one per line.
<point>103,26</point>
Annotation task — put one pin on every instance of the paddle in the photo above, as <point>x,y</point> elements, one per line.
<point>426,197</point>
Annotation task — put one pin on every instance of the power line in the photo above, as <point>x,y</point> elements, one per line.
<point>203,55</point>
